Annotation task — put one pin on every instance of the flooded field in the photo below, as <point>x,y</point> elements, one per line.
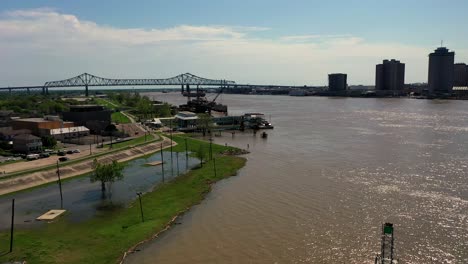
<point>82,199</point>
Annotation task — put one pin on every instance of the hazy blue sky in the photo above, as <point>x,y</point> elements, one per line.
<point>277,42</point>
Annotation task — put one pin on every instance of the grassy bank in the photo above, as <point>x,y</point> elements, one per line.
<point>104,238</point>
<point>107,103</point>
<point>119,118</point>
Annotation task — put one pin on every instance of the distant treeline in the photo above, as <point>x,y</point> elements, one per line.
<point>36,105</point>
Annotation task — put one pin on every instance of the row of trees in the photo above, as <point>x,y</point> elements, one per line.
<point>35,105</point>
<point>142,106</point>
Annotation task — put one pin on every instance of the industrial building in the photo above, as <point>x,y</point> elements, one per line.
<point>94,117</point>
<point>441,71</point>
<point>40,126</point>
<point>337,82</point>
<point>390,76</point>
<point>460,75</point>
<point>68,133</point>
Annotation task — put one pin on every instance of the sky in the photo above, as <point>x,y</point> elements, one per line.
<point>295,42</point>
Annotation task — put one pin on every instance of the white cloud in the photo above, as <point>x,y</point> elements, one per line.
<point>306,38</point>
<point>40,45</point>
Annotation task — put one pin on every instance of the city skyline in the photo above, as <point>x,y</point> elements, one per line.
<point>70,39</point>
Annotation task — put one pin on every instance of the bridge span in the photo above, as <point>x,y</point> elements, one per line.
<point>86,80</point>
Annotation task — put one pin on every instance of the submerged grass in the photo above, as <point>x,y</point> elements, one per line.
<point>104,238</point>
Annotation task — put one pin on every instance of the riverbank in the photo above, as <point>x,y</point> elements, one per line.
<point>112,233</point>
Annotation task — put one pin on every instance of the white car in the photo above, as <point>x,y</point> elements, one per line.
<point>76,151</point>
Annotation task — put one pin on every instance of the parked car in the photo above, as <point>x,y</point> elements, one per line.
<point>61,153</point>
<point>76,151</point>
<point>32,157</point>
<point>63,159</point>
<point>44,155</point>
<point>70,151</point>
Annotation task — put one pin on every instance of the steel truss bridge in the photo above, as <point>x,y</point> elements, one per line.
<point>86,80</point>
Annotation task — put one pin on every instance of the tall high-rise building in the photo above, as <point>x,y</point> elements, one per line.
<point>337,82</point>
<point>460,74</point>
<point>390,75</point>
<point>441,65</point>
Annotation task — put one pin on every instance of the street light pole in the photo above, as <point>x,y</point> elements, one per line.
<point>186,154</point>
<point>141,207</point>
<point>172,163</point>
<point>162,162</point>
<point>177,159</point>
<point>211,149</point>
<point>60,185</point>
<point>12,223</point>
<point>214,167</point>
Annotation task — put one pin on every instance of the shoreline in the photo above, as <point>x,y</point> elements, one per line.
<point>169,224</point>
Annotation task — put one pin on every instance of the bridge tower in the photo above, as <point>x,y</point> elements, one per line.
<point>86,90</point>
<point>386,250</point>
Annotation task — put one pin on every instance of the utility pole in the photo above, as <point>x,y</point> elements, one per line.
<point>60,185</point>
<point>12,223</point>
<point>90,152</point>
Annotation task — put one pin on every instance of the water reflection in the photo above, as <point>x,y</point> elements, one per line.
<point>82,198</point>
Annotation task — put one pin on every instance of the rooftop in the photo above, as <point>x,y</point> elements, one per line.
<point>26,137</point>
<point>34,119</point>
<point>186,115</point>
<point>58,131</point>
<point>442,51</point>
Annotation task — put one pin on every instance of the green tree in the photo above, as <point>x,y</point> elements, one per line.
<point>201,154</point>
<point>144,106</point>
<point>48,141</point>
<point>106,174</point>
<point>205,123</point>
<point>163,110</point>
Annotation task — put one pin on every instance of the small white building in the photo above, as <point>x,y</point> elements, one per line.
<point>186,120</point>
<point>154,123</point>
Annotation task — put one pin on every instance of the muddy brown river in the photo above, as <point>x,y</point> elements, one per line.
<point>330,173</point>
